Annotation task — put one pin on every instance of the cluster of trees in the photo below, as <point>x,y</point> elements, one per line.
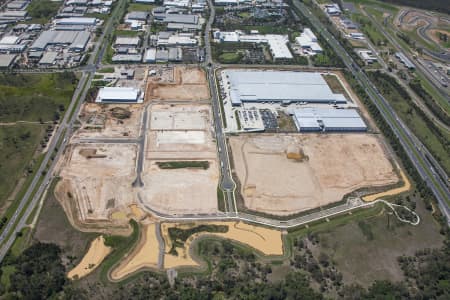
<point>39,273</point>
<point>43,9</point>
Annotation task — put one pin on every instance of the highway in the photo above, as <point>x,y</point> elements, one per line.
<point>26,206</point>
<point>413,147</point>
<point>419,68</point>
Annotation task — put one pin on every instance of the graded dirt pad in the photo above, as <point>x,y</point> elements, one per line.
<point>265,240</point>
<point>186,83</point>
<point>337,164</point>
<point>145,255</point>
<point>180,133</point>
<point>91,260</point>
<point>107,121</point>
<point>100,185</point>
<point>180,191</point>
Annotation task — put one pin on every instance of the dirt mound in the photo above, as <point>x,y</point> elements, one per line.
<point>120,113</point>
<point>91,153</point>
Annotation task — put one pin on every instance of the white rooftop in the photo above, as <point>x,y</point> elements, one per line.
<point>289,86</point>
<point>118,94</point>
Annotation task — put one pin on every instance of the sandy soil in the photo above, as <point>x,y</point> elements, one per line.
<point>337,164</point>
<point>187,83</point>
<point>101,185</point>
<point>434,35</point>
<point>404,188</point>
<point>98,121</point>
<point>267,241</point>
<point>91,260</point>
<point>145,255</point>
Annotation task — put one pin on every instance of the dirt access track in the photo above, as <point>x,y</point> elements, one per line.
<point>178,83</point>
<point>333,166</point>
<point>180,133</point>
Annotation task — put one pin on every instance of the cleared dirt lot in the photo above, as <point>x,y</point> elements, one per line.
<point>110,120</point>
<point>178,83</point>
<point>180,133</point>
<point>98,177</point>
<point>335,165</point>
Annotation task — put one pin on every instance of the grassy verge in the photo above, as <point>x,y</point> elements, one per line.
<point>106,70</point>
<point>179,236</point>
<point>121,245</point>
<point>436,140</point>
<point>184,164</point>
<point>220,199</point>
<point>18,146</point>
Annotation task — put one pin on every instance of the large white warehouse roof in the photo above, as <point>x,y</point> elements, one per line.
<point>118,94</point>
<point>279,86</point>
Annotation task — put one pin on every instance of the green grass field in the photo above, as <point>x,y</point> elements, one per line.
<point>18,144</point>
<point>139,7</point>
<point>35,97</point>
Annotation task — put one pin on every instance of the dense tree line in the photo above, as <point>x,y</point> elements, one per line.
<point>417,87</point>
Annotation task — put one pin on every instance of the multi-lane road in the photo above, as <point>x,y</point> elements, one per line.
<point>413,147</point>
<point>42,179</point>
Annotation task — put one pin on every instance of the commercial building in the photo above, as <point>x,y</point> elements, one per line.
<point>175,54</point>
<point>308,42</point>
<point>328,119</point>
<point>150,55</point>
<point>7,60</point>
<point>48,59</point>
<point>76,40</point>
<point>124,41</point>
<point>17,5</point>
<point>126,58</point>
<point>333,9</point>
<point>282,87</point>
<point>76,21</point>
<point>137,16</point>
<point>119,95</point>
<point>404,60</point>
<point>357,36</point>
<point>367,56</point>
<point>277,43</point>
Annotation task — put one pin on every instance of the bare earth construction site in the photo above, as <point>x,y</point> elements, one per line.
<point>145,155</point>
<point>307,170</point>
<point>159,161</point>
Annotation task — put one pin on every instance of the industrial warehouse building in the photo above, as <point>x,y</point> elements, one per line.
<point>328,119</point>
<point>283,87</point>
<point>119,95</point>
<point>76,40</point>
